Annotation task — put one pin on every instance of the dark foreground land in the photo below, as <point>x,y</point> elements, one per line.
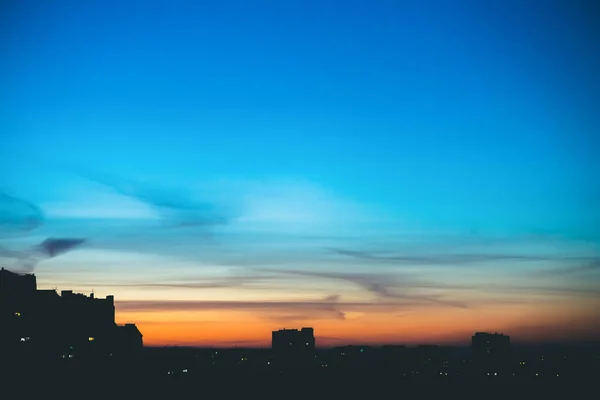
<point>145,378</point>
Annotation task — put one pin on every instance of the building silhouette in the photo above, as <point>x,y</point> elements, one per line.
<point>42,323</point>
<point>491,351</point>
<point>293,347</point>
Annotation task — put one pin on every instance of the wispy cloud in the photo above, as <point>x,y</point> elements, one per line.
<point>400,286</point>
<point>265,306</point>
<point>49,248</point>
<point>385,286</point>
<point>592,265</point>
<point>456,259</point>
<point>18,215</point>
<point>188,282</point>
<point>329,310</point>
<point>53,247</point>
<point>177,207</point>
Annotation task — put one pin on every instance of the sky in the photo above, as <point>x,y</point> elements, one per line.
<point>383,171</point>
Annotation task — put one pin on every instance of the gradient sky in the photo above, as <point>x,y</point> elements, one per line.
<point>384,171</point>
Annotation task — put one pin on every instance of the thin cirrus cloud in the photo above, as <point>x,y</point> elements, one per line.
<point>175,206</point>
<point>187,282</point>
<point>324,305</point>
<point>591,265</point>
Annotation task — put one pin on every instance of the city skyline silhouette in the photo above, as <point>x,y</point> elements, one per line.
<point>73,336</point>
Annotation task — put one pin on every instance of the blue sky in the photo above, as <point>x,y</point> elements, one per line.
<point>282,134</point>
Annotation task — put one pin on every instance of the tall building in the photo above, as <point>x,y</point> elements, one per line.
<point>44,323</point>
<point>293,346</point>
<point>491,350</point>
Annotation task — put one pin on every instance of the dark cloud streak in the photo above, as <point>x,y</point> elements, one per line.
<point>587,267</point>
<point>381,285</point>
<point>454,259</point>
<point>18,216</point>
<point>49,248</point>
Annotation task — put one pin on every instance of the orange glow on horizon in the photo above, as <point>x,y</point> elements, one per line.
<point>227,328</point>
